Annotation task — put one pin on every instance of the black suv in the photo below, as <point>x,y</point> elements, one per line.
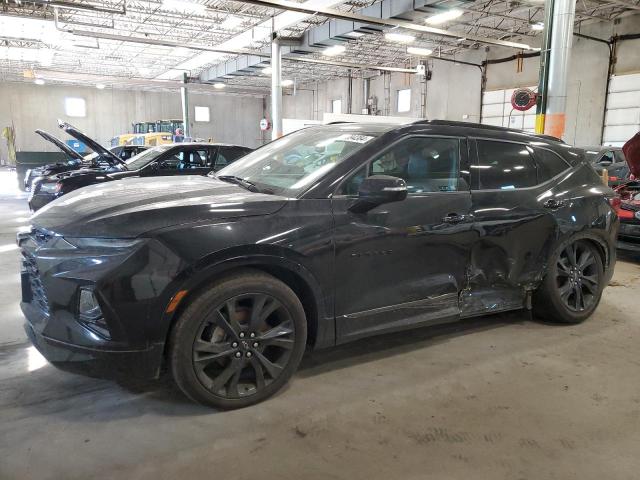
<point>327,235</point>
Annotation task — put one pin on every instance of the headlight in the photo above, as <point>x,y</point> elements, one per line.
<point>50,187</point>
<point>102,242</point>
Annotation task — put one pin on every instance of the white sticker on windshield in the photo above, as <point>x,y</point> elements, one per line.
<point>355,138</point>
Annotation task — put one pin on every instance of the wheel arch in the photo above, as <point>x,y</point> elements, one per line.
<point>321,330</point>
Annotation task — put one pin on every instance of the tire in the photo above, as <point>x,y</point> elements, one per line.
<point>239,341</point>
<point>572,287</point>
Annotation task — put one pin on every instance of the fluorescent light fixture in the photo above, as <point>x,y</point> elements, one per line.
<point>354,34</point>
<point>335,50</point>
<point>231,22</point>
<point>399,37</point>
<point>100,86</point>
<point>183,6</point>
<point>424,52</point>
<point>39,81</point>
<point>219,85</point>
<point>538,26</point>
<point>43,56</point>
<point>443,17</point>
<point>267,70</point>
<point>286,83</point>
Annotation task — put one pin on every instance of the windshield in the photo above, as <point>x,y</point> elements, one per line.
<point>140,160</point>
<point>292,163</point>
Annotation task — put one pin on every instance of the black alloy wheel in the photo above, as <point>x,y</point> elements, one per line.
<point>238,341</point>
<point>244,345</point>
<point>578,276</point>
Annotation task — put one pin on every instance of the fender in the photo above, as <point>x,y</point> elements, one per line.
<point>261,257</point>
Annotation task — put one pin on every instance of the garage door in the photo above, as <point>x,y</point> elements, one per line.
<point>622,120</point>
<point>497,110</point>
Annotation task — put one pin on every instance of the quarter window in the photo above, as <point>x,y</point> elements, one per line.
<point>549,164</point>
<point>504,166</point>
<point>427,164</point>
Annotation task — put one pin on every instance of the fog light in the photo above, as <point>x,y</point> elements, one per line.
<point>90,313</point>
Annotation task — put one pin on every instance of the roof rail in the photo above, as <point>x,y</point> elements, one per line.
<point>454,123</point>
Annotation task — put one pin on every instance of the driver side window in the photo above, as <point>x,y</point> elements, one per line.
<point>427,164</point>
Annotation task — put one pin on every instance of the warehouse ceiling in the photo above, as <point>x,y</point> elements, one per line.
<point>151,44</point>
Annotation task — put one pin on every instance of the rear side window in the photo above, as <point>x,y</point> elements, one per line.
<point>549,164</point>
<point>504,166</point>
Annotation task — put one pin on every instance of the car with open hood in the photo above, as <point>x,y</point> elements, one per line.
<point>628,201</point>
<point>327,235</point>
<point>163,160</point>
<point>611,159</point>
<point>77,161</point>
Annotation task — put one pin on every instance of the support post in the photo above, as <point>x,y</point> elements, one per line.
<point>276,88</point>
<point>544,66</point>
<point>185,107</point>
<point>564,12</point>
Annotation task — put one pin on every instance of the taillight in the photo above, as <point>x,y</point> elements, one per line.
<point>613,179</point>
<point>616,203</point>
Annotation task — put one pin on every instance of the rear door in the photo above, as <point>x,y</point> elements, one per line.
<point>513,217</point>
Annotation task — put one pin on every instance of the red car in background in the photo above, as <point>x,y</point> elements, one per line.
<point>628,201</point>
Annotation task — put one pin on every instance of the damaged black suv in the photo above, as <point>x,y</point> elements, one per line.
<point>327,235</point>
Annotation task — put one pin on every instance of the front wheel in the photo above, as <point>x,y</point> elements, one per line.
<point>238,342</point>
<point>573,285</point>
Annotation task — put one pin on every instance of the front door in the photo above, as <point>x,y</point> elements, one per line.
<point>403,264</point>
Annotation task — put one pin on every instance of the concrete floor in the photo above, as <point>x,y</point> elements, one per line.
<point>498,397</point>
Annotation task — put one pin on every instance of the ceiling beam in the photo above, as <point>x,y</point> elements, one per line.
<point>386,22</point>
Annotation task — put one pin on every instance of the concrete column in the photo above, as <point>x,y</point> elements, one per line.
<point>560,53</point>
<point>276,89</point>
<point>185,107</point>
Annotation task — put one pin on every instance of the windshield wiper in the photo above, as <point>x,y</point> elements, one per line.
<point>239,181</point>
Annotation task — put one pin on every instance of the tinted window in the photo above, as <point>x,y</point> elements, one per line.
<point>427,164</point>
<point>504,166</point>
<point>226,155</point>
<point>549,164</point>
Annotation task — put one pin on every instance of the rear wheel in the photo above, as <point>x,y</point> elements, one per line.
<point>573,285</point>
<point>239,342</point>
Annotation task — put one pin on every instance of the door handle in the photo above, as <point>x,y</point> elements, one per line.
<point>454,218</point>
<point>553,203</point>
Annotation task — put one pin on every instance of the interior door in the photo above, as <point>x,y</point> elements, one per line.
<point>404,263</point>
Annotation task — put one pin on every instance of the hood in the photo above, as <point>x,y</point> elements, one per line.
<point>70,152</point>
<point>133,206</point>
<point>631,151</point>
<point>104,153</point>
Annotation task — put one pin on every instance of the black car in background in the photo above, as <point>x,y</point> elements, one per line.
<point>77,161</point>
<point>163,160</point>
<point>327,235</point>
<point>611,159</point>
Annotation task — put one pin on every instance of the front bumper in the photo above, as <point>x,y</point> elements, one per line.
<point>96,362</point>
<point>129,287</point>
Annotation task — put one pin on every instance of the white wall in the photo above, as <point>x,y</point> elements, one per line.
<point>233,119</point>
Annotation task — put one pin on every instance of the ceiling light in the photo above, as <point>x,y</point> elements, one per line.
<point>443,17</point>
<point>399,37</point>
<point>335,50</point>
<point>461,39</point>
<point>39,81</point>
<point>100,86</point>
<point>424,52</point>
<point>267,70</point>
<point>286,83</point>
<point>219,85</point>
<point>183,6</point>
<point>537,26</point>
<point>354,34</point>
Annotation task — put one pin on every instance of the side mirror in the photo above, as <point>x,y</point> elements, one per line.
<point>377,190</point>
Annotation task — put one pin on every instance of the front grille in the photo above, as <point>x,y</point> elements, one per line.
<point>32,288</point>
